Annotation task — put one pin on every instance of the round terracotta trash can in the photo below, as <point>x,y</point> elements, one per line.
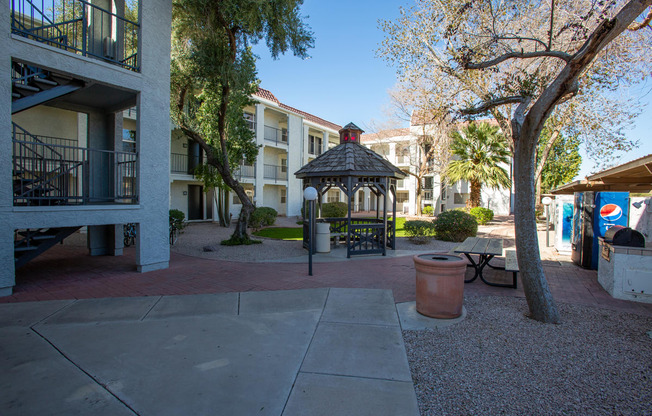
<point>440,285</point>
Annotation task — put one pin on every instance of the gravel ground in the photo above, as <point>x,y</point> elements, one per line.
<point>203,240</point>
<point>497,361</point>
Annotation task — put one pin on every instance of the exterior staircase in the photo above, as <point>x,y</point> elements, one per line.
<point>30,243</point>
<point>32,86</point>
<point>41,171</point>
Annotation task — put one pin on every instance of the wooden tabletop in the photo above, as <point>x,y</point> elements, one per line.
<point>480,245</point>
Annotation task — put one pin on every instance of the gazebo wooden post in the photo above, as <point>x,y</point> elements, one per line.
<point>386,181</point>
<point>348,221</point>
<point>393,190</point>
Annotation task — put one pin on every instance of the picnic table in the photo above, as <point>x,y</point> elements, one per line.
<point>487,249</point>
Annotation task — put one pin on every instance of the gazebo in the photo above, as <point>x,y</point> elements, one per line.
<point>351,167</point>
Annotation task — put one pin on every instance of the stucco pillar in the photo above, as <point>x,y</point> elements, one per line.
<point>153,126</point>
<point>324,141</point>
<point>105,240</point>
<point>6,184</point>
<point>259,183</point>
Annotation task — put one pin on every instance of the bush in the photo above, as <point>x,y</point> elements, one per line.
<point>418,231</point>
<point>482,215</point>
<point>455,225</point>
<point>263,216</point>
<point>334,210</point>
<point>428,210</point>
<point>177,218</point>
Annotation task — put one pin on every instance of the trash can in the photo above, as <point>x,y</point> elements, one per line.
<point>440,285</point>
<point>323,238</point>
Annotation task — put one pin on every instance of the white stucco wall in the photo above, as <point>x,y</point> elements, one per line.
<point>640,218</point>
<point>48,121</point>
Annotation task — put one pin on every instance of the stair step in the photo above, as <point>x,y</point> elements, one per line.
<point>44,83</point>
<point>60,78</point>
<point>15,95</point>
<point>24,88</point>
<point>40,237</point>
<point>25,248</point>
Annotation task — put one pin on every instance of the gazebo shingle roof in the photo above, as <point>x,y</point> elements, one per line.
<point>349,159</point>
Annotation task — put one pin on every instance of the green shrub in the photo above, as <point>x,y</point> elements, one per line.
<point>177,218</point>
<point>482,215</point>
<point>428,210</point>
<point>334,210</point>
<point>419,231</point>
<point>455,225</point>
<point>263,216</point>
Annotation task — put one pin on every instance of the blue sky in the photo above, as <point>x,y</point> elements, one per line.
<point>343,81</point>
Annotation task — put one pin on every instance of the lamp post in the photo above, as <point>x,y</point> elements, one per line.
<point>310,195</point>
<point>547,201</point>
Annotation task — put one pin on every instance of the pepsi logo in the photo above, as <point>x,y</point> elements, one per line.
<point>611,212</point>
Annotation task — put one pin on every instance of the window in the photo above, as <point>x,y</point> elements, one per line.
<point>402,197</point>
<point>284,165</point>
<point>284,194</point>
<point>428,182</point>
<point>460,199</point>
<point>129,140</point>
<point>251,121</point>
<point>333,196</point>
<point>314,145</point>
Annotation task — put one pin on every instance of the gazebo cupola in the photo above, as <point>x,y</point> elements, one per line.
<point>350,134</point>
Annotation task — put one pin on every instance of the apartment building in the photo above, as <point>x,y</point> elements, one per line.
<point>69,160</point>
<point>288,139</point>
<point>400,147</point>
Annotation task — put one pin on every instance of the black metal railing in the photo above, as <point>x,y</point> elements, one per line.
<point>55,174</point>
<point>274,135</point>
<point>427,195</point>
<point>179,163</point>
<point>79,26</point>
<point>277,173</point>
<point>365,235</point>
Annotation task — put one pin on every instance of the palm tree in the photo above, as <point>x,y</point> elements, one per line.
<point>480,150</point>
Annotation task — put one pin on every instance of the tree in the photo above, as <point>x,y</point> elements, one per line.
<point>563,162</point>
<point>480,151</point>
<point>213,76</point>
<point>519,60</point>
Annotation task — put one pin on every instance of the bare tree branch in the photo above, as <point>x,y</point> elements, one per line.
<point>517,55</point>
<point>646,22</point>
<point>488,105</point>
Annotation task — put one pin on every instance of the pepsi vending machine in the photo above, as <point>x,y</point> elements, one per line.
<point>593,214</point>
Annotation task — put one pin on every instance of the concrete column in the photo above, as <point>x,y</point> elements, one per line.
<point>367,197</point>
<point>306,145</point>
<point>7,267</point>
<point>153,247</point>
<point>105,240</point>
<point>259,183</point>
<point>324,141</point>
<point>294,156</point>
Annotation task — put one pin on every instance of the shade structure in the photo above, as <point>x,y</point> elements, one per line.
<point>351,167</point>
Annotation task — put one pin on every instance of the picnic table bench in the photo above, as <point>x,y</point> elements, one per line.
<point>487,249</point>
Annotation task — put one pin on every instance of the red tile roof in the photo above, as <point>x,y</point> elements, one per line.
<point>385,134</point>
<point>267,95</point>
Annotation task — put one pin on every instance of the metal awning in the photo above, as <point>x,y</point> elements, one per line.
<point>634,176</point>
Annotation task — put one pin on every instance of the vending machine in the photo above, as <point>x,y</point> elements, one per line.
<point>563,223</point>
<point>593,214</point>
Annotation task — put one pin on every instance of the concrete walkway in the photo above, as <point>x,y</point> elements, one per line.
<point>300,352</point>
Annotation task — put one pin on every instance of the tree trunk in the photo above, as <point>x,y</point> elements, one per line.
<point>240,232</point>
<point>537,293</point>
<point>476,187</point>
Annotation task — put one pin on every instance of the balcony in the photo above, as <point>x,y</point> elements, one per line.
<point>275,172</point>
<point>427,195</point>
<point>80,27</point>
<point>276,136</point>
<point>50,171</point>
<point>245,172</point>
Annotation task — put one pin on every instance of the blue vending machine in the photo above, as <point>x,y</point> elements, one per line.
<point>593,214</point>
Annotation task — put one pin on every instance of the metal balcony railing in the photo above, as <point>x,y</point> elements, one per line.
<point>245,172</point>
<point>78,26</point>
<point>55,174</point>
<point>277,173</point>
<point>427,195</point>
<point>179,163</point>
<point>274,135</point>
